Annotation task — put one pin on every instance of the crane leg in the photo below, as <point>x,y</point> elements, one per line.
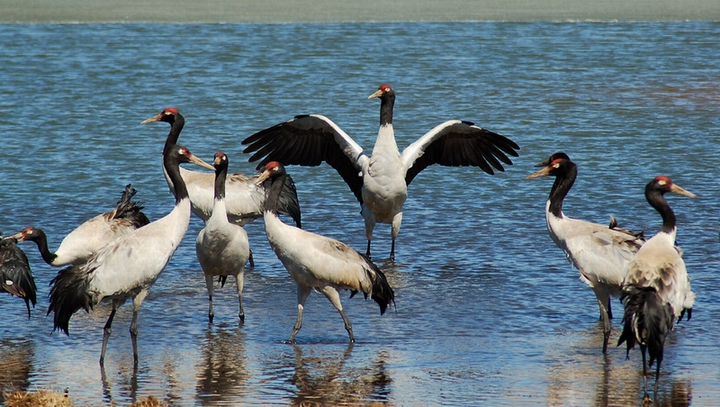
<point>209,285</point>
<point>646,397</point>
<point>107,330</point>
<point>251,260</point>
<point>302,295</point>
<point>394,232</point>
<point>369,225</point>
<point>603,300</point>
<point>240,280</point>
<point>137,301</point>
<point>334,298</point>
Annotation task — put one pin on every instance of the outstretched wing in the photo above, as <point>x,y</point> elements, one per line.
<point>458,143</point>
<point>309,140</point>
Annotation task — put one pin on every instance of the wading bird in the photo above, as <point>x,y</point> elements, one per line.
<point>379,182</point>
<point>319,263</point>
<point>656,290</point>
<point>88,238</point>
<point>15,275</point>
<point>222,247</point>
<point>128,266</point>
<point>599,252</point>
<point>245,198</point>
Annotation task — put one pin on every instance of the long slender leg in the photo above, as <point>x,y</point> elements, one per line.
<point>251,260</point>
<point>369,225</point>
<point>107,330</point>
<point>604,305</point>
<point>646,397</point>
<point>209,284</point>
<point>240,280</point>
<point>302,295</point>
<point>334,298</point>
<point>137,301</point>
<point>395,231</point>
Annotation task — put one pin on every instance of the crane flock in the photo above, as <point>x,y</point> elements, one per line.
<point>118,255</point>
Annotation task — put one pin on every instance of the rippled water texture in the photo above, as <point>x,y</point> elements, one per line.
<point>489,312</point>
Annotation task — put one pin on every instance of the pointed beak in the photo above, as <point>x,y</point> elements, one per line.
<point>544,163</point>
<point>263,176</point>
<point>542,173</point>
<point>376,94</point>
<point>18,237</point>
<point>155,118</point>
<point>676,189</point>
<point>197,161</point>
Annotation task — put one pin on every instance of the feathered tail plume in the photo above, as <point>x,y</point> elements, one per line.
<point>381,291</point>
<point>646,321</point>
<point>127,209</point>
<point>68,294</point>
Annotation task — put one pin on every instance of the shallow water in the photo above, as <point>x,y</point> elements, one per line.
<point>488,311</point>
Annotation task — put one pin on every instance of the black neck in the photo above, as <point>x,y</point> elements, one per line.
<point>171,162</point>
<point>657,200</point>
<point>564,180</point>
<point>176,126</point>
<point>40,239</point>
<point>220,176</point>
<point>387,101</point>
<point>273,196</point>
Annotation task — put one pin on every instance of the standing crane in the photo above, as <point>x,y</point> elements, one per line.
<point>379,182</point>
<point>85,240</point>
<point>222,247</point>
<point>319,263</point>
<point>656,290</point>
<point>128,266</point>
<point>599,252</point>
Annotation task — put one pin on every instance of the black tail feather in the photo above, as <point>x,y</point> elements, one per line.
<point>381,292</point>
<point>132,211</point>
<point>68,294</point>
<point>646,320</point>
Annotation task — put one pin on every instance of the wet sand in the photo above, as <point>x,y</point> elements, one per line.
<point>245,11</point>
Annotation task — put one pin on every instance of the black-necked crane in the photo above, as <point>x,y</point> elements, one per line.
<point>222,247</point>
<point>245,199</point>
<point>656,290</point>
<point>85,240</point>
<point>15,275</point>
<point>599,252</point>
<point>319,263</point>
<point>128,266</point>
<point>380,181</point>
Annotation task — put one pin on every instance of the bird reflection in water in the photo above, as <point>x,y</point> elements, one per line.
<point>222,376</point>
<point>329,379</point>
<point>16,358</point>
<point>579,376</point>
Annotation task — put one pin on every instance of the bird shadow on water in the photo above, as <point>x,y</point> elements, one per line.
<point>325,377</point>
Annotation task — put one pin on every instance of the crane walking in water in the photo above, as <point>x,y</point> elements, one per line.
<point>600,253</point>
<point>222,247</point>
<point>15,275</point>
<point>319,263</point>
<point>128,266</point>
<point>657,290</point>
<point>379,182</point>
<point>85,240</point>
